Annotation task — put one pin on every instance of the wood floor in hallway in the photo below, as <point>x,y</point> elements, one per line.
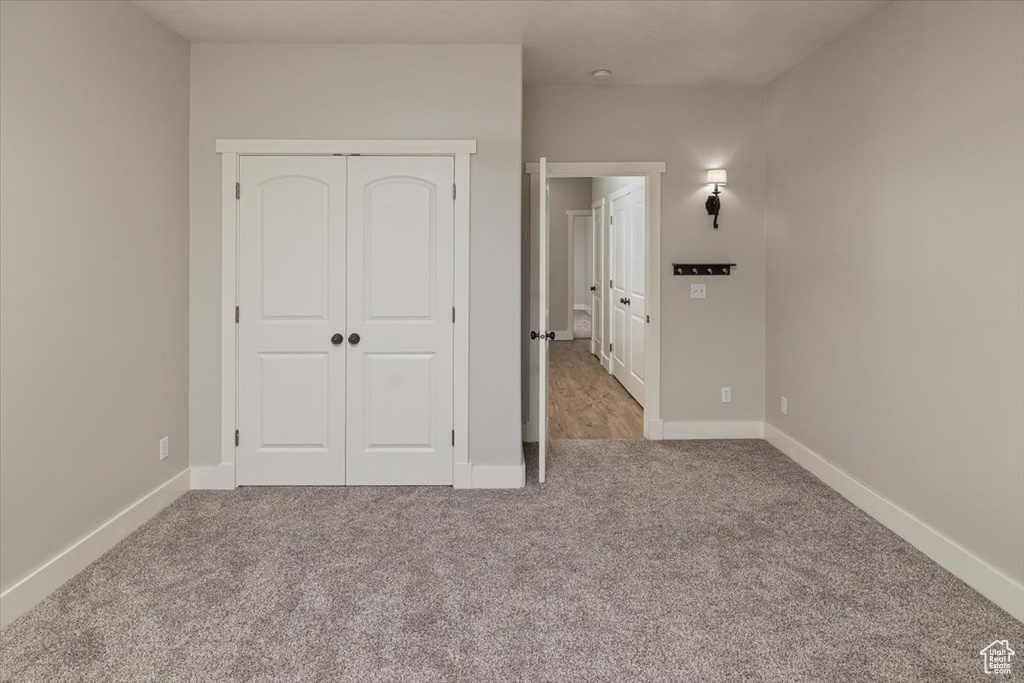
<point>584,401</point>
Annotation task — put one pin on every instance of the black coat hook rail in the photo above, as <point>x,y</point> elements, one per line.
<point>702,268</point>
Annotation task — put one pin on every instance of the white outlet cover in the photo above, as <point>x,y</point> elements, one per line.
<point>698,291</point>
<point>726,394</point>
<point>165,447</point>
<point>783,405</point>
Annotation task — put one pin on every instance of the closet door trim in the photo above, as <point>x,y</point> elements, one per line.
<point>221,474</point>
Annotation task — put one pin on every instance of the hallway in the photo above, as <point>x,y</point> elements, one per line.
<point>582,324</point>
<point>584,401</point>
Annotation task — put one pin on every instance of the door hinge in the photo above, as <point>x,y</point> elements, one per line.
<point>238,190</point>
<point>611,220</point>
<point>609,346</point>
<point>454,191</point>
<point>453,314</point>
<point>236,437</point>
<point>453,437</point>
<point>648,318</point>
<point>611,284</point>
<point>238,315</point>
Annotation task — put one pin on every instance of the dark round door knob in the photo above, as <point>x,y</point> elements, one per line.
<point>337,339</point>
<point>353,339</point>
<point>593,288</point>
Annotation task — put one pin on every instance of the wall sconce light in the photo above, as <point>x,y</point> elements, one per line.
<point>716,177</point>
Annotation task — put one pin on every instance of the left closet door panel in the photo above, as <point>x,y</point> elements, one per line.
<point>291,271</point>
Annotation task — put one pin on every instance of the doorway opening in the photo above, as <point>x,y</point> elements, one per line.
<point>594,327</point>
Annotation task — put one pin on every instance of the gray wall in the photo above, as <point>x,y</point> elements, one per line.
<point>565,194</point>
<point>710,343</point>
<point>895,252</point>
<point>370,91</point>
<point>93,269</point>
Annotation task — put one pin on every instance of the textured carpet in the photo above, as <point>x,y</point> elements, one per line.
<point>581,325</point>
<point>637,561</point>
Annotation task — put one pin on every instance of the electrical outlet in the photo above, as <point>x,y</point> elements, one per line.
<point>726,394</point>
<point>698,291</point>
<point>784,406</point>
<point>165,447</point>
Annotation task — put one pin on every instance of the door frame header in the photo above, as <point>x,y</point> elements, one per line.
<point>591,169</point>
<point>382,147</point>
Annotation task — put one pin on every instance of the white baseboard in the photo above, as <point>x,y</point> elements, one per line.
<point>499,476</point>
<point>222,477</point>
<point>214,478</point>
<point>656,430</point>
<point>563,335</point>
<point>713,429</point>
<point>582,307</point>
<point>971,569</point>
<point>29,591</point>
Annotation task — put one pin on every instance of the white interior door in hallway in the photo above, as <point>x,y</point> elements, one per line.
<point>626,287</point>
<point>597,269</point>
<point>345,339</point>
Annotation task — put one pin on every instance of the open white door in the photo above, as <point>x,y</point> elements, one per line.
<point>542,326</point>
<point>629,299</point>
<point>595,278</point>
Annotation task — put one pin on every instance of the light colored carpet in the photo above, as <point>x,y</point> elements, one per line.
<point>581,325</point>
<point>637,561</point>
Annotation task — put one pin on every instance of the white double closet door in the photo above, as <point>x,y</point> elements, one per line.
<point>345,334</point>
<point>628,306</point>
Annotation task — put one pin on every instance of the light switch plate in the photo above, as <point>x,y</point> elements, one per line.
<point>165,447</point>
<point>698,291</point>
<point>784,405</point>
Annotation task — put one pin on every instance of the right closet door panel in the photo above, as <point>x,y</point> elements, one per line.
<point>400,298</point>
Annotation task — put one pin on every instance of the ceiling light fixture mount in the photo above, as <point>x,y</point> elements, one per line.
<point>601,75</point>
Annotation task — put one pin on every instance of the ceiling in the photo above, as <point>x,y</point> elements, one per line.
<point>739,42</point>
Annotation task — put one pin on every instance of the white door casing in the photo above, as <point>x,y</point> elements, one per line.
<point>401,304</point>
<point>571,274</point>
<point>583,226</point>
<point>291,378</point>
<point>223,473</point>
<point>331,246</point>
<point>629,255</point>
